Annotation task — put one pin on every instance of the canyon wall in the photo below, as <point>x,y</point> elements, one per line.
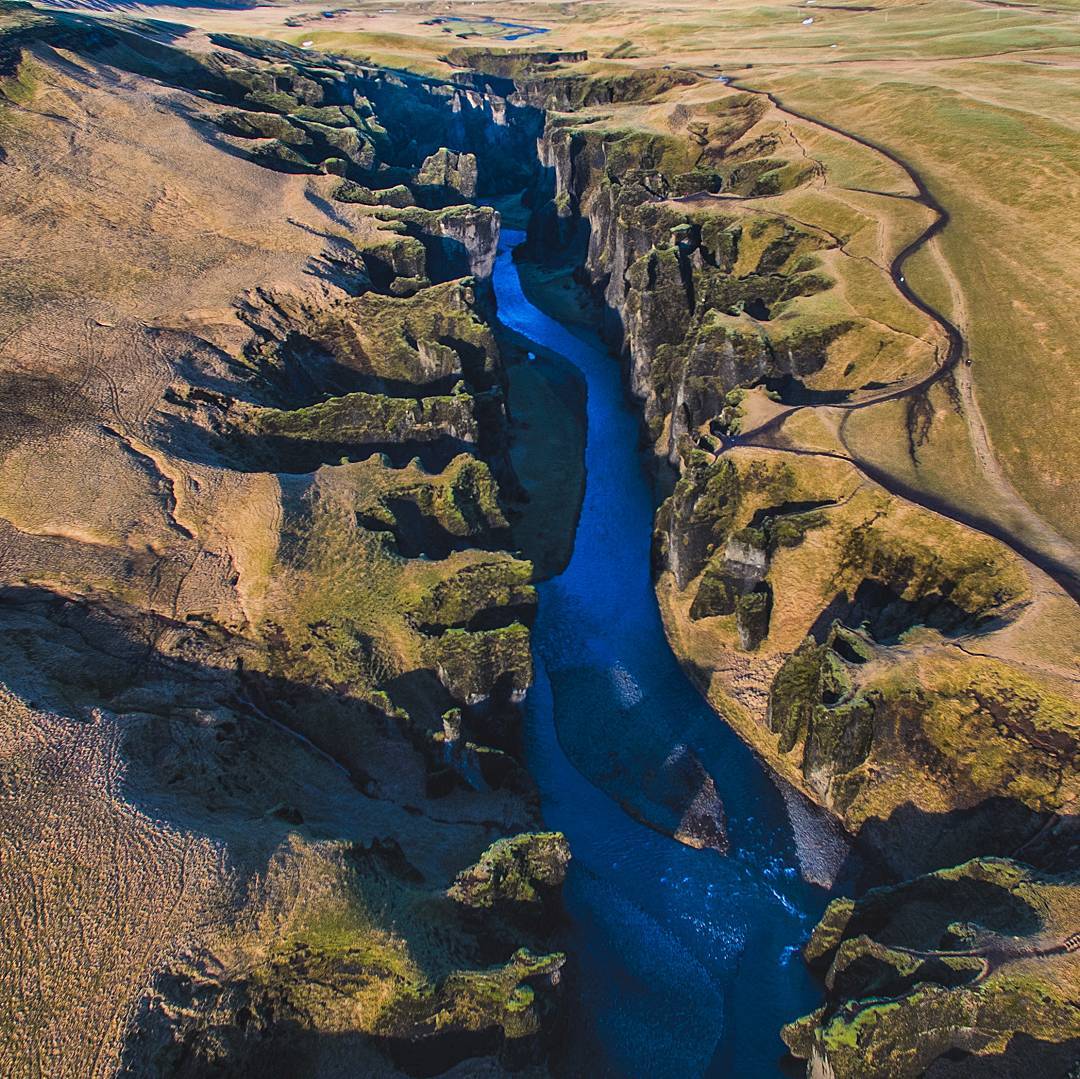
<point>872,649</point>
<point>264,635</point>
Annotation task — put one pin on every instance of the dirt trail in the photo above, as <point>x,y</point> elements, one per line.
<point>1042,546</point>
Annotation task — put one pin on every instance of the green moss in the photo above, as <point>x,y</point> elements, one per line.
<point>982,729</point>
<point>331,115</point>
<point>398,196</point>
<point>483,587</point>
<point>472,496</point>
<point>471,663</point>
<point>447,168</point>
<point>899,996</point>
<point>795,692</point>
<point>364,418</point>
<point>845,1032</point>
<point>282,158</point>
<point>521,870</point>
<point>19,87</point>
<point>263,125</point>
<point>718,500</point>
<point>829,932</point>
<point>752,618</point>
<point>839,738</point>
<point>975,575</point>
<point>273,100</point>
<point>811,702</point>
<point>717,591</point>
<point>754,538</point>
<point>790,530</point>
<point>798,1036</point>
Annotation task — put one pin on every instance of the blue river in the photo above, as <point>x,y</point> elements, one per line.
<point>685,962</point>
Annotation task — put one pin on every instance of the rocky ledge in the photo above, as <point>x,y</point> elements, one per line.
<point>266,608</point>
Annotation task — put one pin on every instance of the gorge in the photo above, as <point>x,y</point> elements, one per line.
<point>446,554</point>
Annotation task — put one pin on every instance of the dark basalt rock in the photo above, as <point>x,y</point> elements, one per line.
<point>906,998</point>
<point>685,787</point>
<point>752,611</point>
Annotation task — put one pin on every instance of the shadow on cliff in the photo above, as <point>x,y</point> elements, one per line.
<point>242,451</point>
<point>1022,1058</point>
<point>294,1051</point>
<point>911,841</point>
<point>886,615</point>
<point>71,656</point>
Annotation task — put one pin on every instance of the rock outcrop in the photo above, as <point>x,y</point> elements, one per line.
<point>446,168</point>
<point>518,877</point>
<point>256,506</point>
<point>964,971</point>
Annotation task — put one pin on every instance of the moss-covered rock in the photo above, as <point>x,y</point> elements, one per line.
<point>519,875</point>
<point>697,518</point>
<point>449,169</point>
<point>963,730</point>
<point>474,666</point>
<point>480,593</point>
<point>282,157</point>
<point>752,611</point>
<point>365,419</point>
<point>901,995</point>
<point>398,196</point>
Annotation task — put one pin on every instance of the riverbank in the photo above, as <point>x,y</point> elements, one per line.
<point>546,400</point>
<point>685,959</point>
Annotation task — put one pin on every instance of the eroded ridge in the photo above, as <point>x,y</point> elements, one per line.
<point>264,636</point>
<point>880,646</point>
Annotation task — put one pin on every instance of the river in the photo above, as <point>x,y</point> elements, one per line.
<point>685,961</point>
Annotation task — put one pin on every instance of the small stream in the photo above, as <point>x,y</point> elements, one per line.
<point>686,962</point>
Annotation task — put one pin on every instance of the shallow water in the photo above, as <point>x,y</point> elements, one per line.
<point>686,961</point>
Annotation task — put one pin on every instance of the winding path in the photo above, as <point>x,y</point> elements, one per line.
<point>1059,565</point>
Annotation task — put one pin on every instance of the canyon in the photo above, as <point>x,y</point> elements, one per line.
<point>454,620</point>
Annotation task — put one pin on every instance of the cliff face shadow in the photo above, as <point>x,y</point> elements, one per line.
<point>886,616</point>
<point>920,914</point>
<point>417,535</point>
<point>911,841</point>
<point>293,1051</point>
<point>793,391</point>
<point>446,259</point>
<point>1023,1058</point>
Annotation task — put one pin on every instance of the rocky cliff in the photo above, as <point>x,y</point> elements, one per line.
<point>875,652</point>
<point>966,971</point>
<point>264,638</point>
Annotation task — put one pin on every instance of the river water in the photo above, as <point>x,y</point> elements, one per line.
<point>685,961</point>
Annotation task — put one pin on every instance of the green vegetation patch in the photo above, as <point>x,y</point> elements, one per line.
<point>499,585</point>
<point>366,418</point>
<point>471,664</point>
<point>520,870</point>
